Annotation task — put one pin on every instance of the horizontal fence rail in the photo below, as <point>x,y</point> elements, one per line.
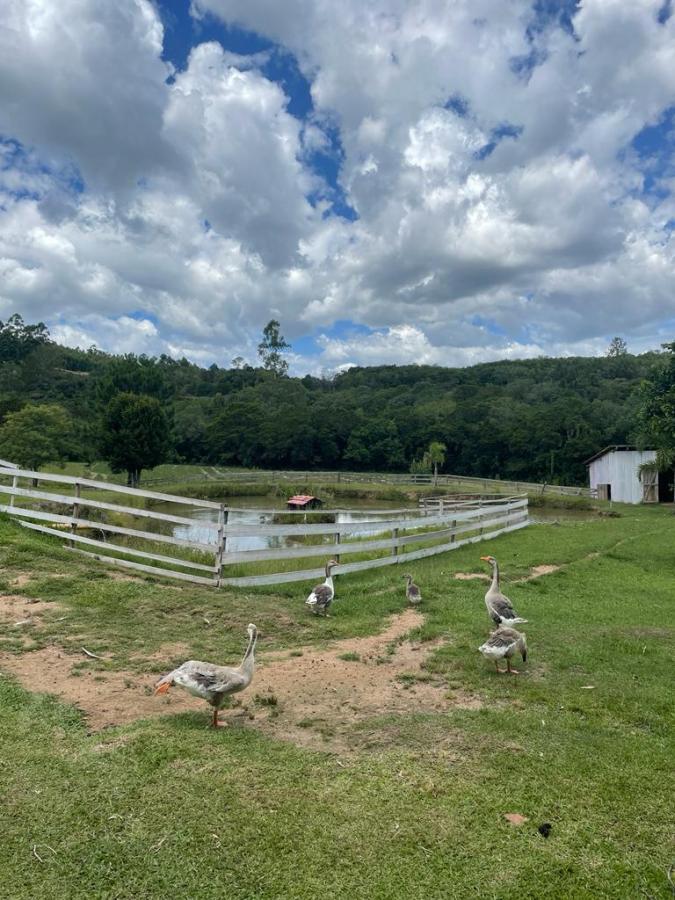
<point>265,476</point>
<point>110,532</point>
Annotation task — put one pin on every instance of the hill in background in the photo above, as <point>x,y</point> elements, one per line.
<point>533,419</point>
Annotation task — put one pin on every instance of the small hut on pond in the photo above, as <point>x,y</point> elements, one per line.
<point>304,501</point>
<point>623,473</point>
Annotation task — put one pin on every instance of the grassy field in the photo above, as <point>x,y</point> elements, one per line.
<point>212,483</point>
<point>163,807</point>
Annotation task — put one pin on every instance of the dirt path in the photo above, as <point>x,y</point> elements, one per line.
<point>535,572</point>
<point>308,696</point>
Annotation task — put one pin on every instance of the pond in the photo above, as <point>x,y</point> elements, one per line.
<point>546,515</point>
<point>245,513</point>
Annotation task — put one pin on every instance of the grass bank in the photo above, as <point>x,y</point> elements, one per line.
<point>583,739</point>
<point>219,482</point>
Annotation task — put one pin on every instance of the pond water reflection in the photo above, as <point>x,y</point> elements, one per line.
<point>245,512</point>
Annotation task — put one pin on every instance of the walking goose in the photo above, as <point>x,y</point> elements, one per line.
<point>500,609</point>
<point>502,644</point>
<point>322,594</point>
<point>412,591</point>
<point>213,683</point>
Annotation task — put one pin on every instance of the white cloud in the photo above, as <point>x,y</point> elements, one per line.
<point>195,214</point>
<point>84,82</point>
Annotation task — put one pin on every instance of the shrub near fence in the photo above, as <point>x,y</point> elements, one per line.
<point>402,535</point>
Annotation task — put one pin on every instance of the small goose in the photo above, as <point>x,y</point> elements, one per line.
<point>322,594</point>
<point>502,644</point>
<point>213,683</point>
<point>500,609</point>
<point>412,591</point>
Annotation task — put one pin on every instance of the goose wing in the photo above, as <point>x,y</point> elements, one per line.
<point>501,642</point>
<point>321,595</point>
<point>501,609</point>
<point>504,637</point>
<point>503,599</point>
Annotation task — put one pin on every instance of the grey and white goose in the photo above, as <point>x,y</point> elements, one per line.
<point>503,643</point>
<point>322,595</point>
<point>210,682</point>
<point>500,609</point>
<point>412,591</point>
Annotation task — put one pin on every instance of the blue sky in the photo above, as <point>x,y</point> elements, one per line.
<point>400,183</point>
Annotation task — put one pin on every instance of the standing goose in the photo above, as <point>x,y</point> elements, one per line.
<point>213,683</point>
<point>322,594</point>
<point>412,591</point>
<point>500,609</point>
<point>502,644</point>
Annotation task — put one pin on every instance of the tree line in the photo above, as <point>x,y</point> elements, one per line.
<point>535,419</point>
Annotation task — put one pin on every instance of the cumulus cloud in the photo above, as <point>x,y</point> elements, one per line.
<point>485,148</point>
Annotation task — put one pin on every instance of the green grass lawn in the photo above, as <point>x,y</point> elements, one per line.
<point>166,808</point>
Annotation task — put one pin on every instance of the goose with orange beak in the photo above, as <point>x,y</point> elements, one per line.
<point>500,609</point>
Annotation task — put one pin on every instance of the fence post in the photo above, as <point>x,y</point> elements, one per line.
<point>394,534</point>
<point>337,541</point>
<point>453,536</point>
<point>223,515</point>
<point>15,484</point>
<point>76,514</point>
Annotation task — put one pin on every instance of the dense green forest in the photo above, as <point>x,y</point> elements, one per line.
<point>533,419</point>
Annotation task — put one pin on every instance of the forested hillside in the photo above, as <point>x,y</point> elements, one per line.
<point>531,419</point>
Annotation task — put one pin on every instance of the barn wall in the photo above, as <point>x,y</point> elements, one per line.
<point>620,469</point>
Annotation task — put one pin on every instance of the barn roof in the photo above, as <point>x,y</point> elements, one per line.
<point>610,449</point>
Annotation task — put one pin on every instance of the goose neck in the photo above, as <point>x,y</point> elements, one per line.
<point>248,662</point>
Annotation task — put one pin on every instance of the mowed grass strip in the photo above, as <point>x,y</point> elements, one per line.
<point>583,739</point>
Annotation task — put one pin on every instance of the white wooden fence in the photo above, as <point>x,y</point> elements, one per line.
<point>387,536</point>
<point>271,476</point>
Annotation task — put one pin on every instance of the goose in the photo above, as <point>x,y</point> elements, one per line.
<point>503,643</point>
<point>322,594</point>
<point>412,591</point>
<point>213,683</point>
<point>500,609</point>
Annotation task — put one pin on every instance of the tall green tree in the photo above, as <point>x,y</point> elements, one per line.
<point>36,434</point>
<point>135,435</point>
<point>617,347</point>
<point>657,411</point>
<point>271,348</point>
<point>436,454</point>
<point>131,374</point>
<point>17,339</point>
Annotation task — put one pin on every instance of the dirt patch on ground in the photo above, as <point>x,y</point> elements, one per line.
<point>15,608</point>
<point>316,699</point>
<point>122,576</point>
<point>20,580</point>
<point>535,572</point>
<point>166,653</point>
<point>649,632</point>
<point>107,698</point>
<point>321,695</point>
<point>538,571</point>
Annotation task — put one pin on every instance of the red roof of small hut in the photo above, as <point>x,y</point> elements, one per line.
<point>301,499</point>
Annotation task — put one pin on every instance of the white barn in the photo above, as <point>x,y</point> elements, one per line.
<point>615,473</point>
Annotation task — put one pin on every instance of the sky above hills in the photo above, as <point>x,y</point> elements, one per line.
<point>402,181</point>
